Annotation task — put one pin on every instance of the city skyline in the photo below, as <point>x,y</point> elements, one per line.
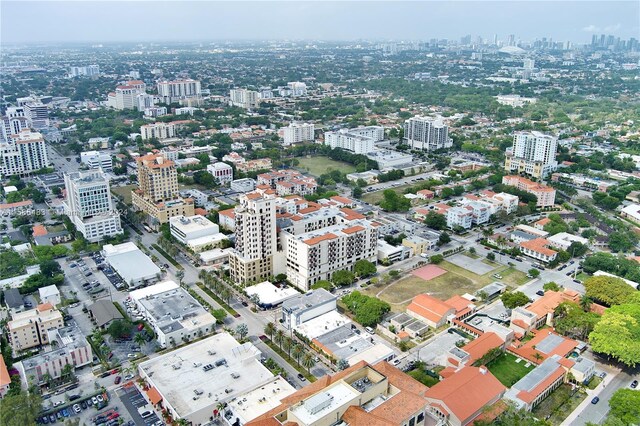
<point>89,21</point>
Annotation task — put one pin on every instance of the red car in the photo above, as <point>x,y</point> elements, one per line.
<point>140,327</point>
<point>117,380</point>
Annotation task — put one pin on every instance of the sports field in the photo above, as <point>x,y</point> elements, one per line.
<point>319,165</point>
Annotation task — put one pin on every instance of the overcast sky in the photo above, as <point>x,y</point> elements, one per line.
<point>27,21</point>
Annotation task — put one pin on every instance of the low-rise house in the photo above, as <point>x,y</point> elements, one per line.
<point>538,248</point>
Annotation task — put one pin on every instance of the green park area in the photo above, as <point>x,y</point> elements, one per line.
<point>507,370</point>
<point>317,165</point>
<point>124,192</point>
<point>377,196</point>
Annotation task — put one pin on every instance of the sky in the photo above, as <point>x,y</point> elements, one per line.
<point>79,21</point>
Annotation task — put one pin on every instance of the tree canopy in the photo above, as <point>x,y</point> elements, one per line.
<point>571,320</point>
<point>608,290</point>
<point>435,220</point>
<point>625,405</point>
<point>364,268</point>
<point>368,310</point>
<point>20,409</point>
<point>342,277</point>
<point>514,299</point>
<point>617,334</point>
<point>392,202</point>
<point>617,265</point>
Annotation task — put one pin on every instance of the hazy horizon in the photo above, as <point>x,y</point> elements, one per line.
<point>29,22</point>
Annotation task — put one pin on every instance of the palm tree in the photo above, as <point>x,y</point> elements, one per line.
<point>308,361</point>
<point>220,407</point>
<point>279,338</point>
<point>269,329</point>
<point>585,303</point>
<point>139,339</point>
<point>180,276</point>
<point>286,345</point>
<point>297,350</point>
<point>537,356</point>
<point>202,275</point>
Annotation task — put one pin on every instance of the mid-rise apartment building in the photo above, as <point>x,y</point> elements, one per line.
<point>427,134</point>
<point>158,130</point>
<point>298,132</point>
<point>255,228</point>
<point>157,193</point>
<point>13,123</point>
<point>85,71</point>
<point>546,195</point>
<point>243,98</point>
<point>125,96</point>
<point>89,205</point>
<point>97,160</point>
<point>459,216</point>
<point>533,153</point>
<point>177,90</point>
<point>23,153</point>
<point>223,172</point>
<point>29,329</point>
<point>316,255</point>
<point>360,140</point>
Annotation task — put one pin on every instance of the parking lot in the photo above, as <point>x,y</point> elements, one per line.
<point>132,400</point>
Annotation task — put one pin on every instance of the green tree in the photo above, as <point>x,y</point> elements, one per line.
<point>180,276</point>
<point>342,278</point>
<point>571,320</point>
<point>20,409</point>
<point>308,361</point>
<point>368,310</point>
<point>279,337</point>
<point>119,328</point>
<point>608,290</point>
<point>435,220</point>
<point>270,329</point>
<point>436,258</point>
<point>625,405</point>
<point>364,268</point>
<point>534,272</point>
<point>514,299</point>
<point>443,239</point>
<point>617,334</point>
<point>342,364</point>
<point>297,351</point>
<point>242,330</point>
<point>620,242</point>
<point>322,284</point>
<point>551,285</point>
<point>392,202</point>
<point>491,256</point>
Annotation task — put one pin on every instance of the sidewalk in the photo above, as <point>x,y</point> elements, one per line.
<point>590,394</point>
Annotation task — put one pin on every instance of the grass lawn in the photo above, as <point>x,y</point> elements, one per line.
<point>423,377</point>
<point>56,228</point>
<point>512,277</point>
<point>507,370</point>
<point>376,196</point>
<point>594,382</point>
<point>319,165</point>
<point>557,406</point>
<point>582,276</point>
<point>125,192</point>
<point>471,255</point>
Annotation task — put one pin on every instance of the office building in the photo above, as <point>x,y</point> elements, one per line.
<point>178,90</point>
<point>223,172</point>
<point>196,232</point>
<point>157,194</point>
<point>546,195</point>
<point>316,255</point>
<point>175,316</point>
<point>23,153</point>
<point>97,160</point>
<point>37,115</point>
<point>298,132</point>
<point>243,98</point>
<point>427,134</point>
<point>360,140</point>
<point>533,153</point>
<point>255,228</point>
<point>29,329</point>
<point>68,347</point>
<point>194,382</point>
<point>89,205</point>
<point>125,96</point>
<point>13,122</point>
<point>305,307</point>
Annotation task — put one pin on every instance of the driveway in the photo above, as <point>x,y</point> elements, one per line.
<point>477,266</point>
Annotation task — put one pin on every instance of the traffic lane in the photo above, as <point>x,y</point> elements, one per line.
<point>292,373</point>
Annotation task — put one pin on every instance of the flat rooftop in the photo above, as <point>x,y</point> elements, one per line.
<point>322,324</point>
<point>344,343</point>
<point>321,404</point>
<point>307,300</point>
<point>269,294</point>
<point>183,381</point>
<point>130,262</point>
<point>260,400</point>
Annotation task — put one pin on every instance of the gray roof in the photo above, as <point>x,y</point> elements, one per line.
<point>402,318</point>
<point>523,235</point>
<point>307,300</point>
<point>336,342</point>
<point>13,298</point>
<point>493,288</point>
<point>104,311</point>
<point>583,364</point>
<point>538,374</point>
<point>549,343</point>
<point>416,326</point>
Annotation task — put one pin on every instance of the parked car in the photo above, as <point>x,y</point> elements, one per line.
<point>76,408</point>
<point>595,400</point>
<point>540,293</point>
<point>634,384</point>
<point>117,380</point>
<point>301,377</point>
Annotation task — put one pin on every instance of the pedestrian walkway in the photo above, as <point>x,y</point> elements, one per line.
<point>590,394</point>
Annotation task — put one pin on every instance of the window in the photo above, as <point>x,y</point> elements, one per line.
<point>412,421</point>
<point>420,418</point>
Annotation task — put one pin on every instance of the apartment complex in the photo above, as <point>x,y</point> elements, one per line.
<point>85,71</point>
<point>298,132</point>
<point>158,130</point>
<point>89,205</point>
<point>255,228</point>
<point>23,153</point>
<point>178,90</point>
<point>125,96</point>
<point>97,160</point>
<point>427,134</point>
<point>533,153</point>
<point>29,329</point>
<point>288,182</point>
<point>13,122</point>
<point>157,193</point>
<point>243,98</point>
<point>545,194</point>
<point>360,140</point>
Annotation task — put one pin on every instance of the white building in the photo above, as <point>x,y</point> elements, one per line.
<point>197,232</point>
<point>297,88</point>
<point>459,216</point>
<point>50,294</point>
<point>305,307</point>
<point>133,266</point>
<point>158,130</point>
<point>243,185</point>
<point>514,100</point>
<point>243,98</point>
<point>144,101</point>
<point>268,295</point>
<point>316,255</point>
<point>23,153</point>
<point>97,160</point>
<point>298,132</point>
<point>563,240</point>
<point>86,71</point>
<point>177,90</point>
<point>223,172</point>
<point>533,153</point>
<point>195,380</point>
<point>387,159</point>
<point>360,140</point>
<point>37,115</point>
<point>427,134</point>
<point>125,96</point>
<point>89,205</point>
<point>175,316</point>
<point>13,123</point>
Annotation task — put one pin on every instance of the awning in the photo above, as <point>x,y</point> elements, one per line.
<point>154,395</point>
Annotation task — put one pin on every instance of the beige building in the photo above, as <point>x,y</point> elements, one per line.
<point>418,244</point>
<point>29,329</point>
<point>546,195</point>
<point>158,131</point>
<point>157,193</point>
<point>256,240</point>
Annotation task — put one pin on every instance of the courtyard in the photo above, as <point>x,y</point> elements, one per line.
<point>508,369</point>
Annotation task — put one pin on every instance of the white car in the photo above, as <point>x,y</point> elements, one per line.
<point>395,362</point>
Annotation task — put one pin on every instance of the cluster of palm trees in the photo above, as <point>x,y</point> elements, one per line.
<point>170,248</point>
<point>215,285</point>
<point>294,349</point>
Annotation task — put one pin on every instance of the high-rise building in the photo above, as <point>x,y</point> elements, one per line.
<point>125,96</point>
<point>13,123</point>
<point>528,64</point>
<point>360,140</point>
<point>89,205</point>
<point>256,241</point>
<point>427,134</point>
<point>157,193</point>
<point>144,101</point>
<point>533,153</point>
<point>86,71</point>
<point>298,132</point>
<point>97,160</point>
<point>177,90</point>
<point>244,98</point>
<point>158,130</point>
<point>37,115</point>
<point>512,40</point>
<point>297,88</point>
<point>23,153</point>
